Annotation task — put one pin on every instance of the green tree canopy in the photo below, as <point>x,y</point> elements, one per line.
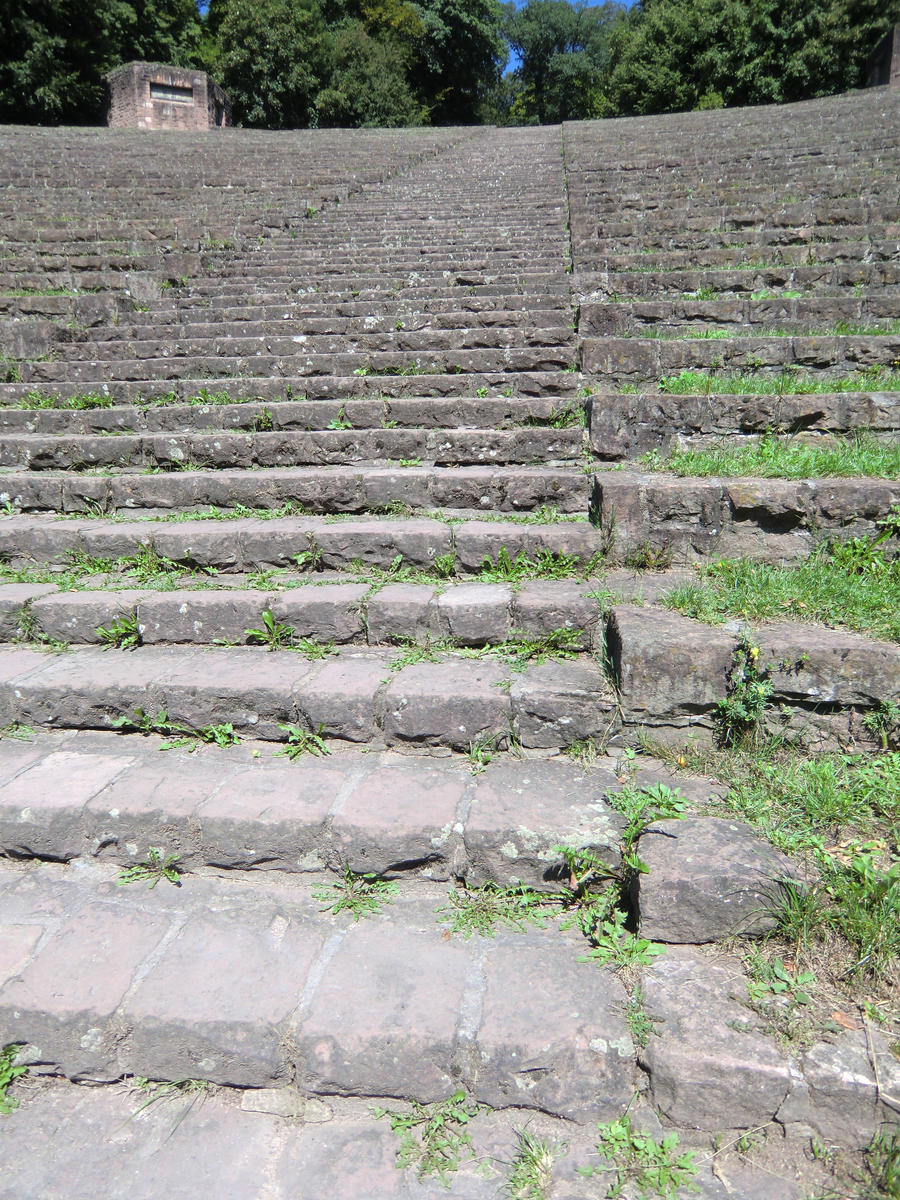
<point>274,58</point>
<point>367,84</point>
<point>462,53</point>
<point>564,52</point>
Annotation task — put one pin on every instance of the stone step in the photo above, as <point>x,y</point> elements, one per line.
<point>770,520</point>
<point>252,985</point>
<point>627,425</point>
<point>670,672</point>
<point>177,451</point>
<point>242,808</point>
<point>351,695</point>
<point>166,415</point>
<point>630,358</point>
<point>467,614</point>
<point>767,311</point>
<point>253,543</point>
<point>276,387</point>
<point>877,278</point>
<point>509,361</point>
<point>315,489</point>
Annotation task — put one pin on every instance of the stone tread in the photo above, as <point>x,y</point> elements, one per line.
<point>251,984</point>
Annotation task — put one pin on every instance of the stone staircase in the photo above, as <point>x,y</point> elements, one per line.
<point>323,515</point>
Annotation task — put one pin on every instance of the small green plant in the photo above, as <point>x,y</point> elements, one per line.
<point>9,1073</point>
<point>532,1166</point>
<point>647,557</point>
<point>273,634</point>
<point>482,750</point>
<point>480,910</point>
<point>640,1024</point>
<point>616,946</point>
<point>883,722</point>
<point>340,421</point>
<point>147,565</point>
<point>141,722</point>
<point>434,1138</point>
<point>303,741</point>
<point>152,869</point>
<point>774,979</point>
<point>309,560</point>
<point>653,1168</point>
<point>123,633</point>
<point>883,1163</point>
<point>740,717</point>
<point>264,422</point>
<point>210,735</point>
<point>18,733</point>
<point>358,894</point>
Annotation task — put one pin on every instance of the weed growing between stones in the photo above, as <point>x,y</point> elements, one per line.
<point>360,895</point>
<point>616,946</point>
<point>546,565</point>
<point>640,1025</point>
<point>30,633</point>
<point>532,1166</point>
<point>481,910</point>
<point>633,1158</point>
<point>883,723</point>
<point>180,736</point>
<point>740,717</point>
<point>151,870</point>
<point>647,557</point>
<point>303,741</point>
<point>9,1073</point>
<point>781,456</point>
<point>123,633</point>
<point>275,635</point>
<point>18,733</point>
<point>434,1138</point>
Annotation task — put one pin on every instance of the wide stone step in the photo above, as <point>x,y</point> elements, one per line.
<point>219,411</point>
<point>626,425</point>
<point>297,543</point>
<point>315,489</point>
<point>363,696</point>
<point>244,808</point>
<point>252,985</point>
<point>762,519</point>
<point>466,614</point>
<point>655,284</point>
<point>311,387</point>
<point>303,366</point>
<point>54,452</point>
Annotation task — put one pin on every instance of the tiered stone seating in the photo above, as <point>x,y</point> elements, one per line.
<point>328,442</point>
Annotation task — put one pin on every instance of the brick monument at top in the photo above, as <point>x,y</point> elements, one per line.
<point>155,96</point>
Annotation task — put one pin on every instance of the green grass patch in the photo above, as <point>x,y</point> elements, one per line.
<point>785,383</point>
<point>780,456</point>
<point>822,589</point>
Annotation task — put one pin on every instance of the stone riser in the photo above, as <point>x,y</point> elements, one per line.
<point>250,545</point>
<point>627,426</point>
<point>770,520</point>
<point>633,317</point>
<point>379,1007</point>
<point>300,366</point>
<point>647,358</point>
<point>242,808</point>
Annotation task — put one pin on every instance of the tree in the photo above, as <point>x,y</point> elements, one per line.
<point>564,52</point>
<point>274,60</point>
<point>367,84</point>
<point>462,53</point>
<point>673,55</point>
